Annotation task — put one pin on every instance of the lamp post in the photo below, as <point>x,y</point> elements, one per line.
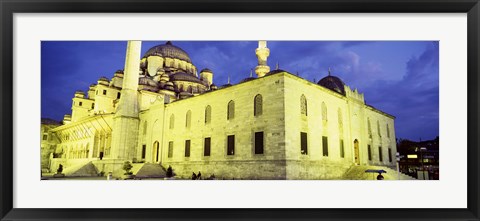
<point>421,160</point>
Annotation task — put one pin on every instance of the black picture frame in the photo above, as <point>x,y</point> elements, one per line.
<point>9,7</point>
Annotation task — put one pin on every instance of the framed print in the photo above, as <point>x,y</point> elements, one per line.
<point>253,110</point>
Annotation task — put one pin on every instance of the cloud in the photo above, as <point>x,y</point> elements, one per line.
<point>414,99</point>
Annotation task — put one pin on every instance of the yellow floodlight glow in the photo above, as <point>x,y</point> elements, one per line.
<point>412,156</point>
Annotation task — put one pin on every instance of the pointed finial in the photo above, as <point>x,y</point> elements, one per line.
<point>276,67</point>
<point>251,72</point>
<point>228,80</point>
<point>262,44</point>
<point>329,71</point>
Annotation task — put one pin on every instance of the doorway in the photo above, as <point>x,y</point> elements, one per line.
<point>356,151</point>
<point>156,152</point>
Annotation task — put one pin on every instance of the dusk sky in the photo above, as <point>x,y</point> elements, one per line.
<point>398,77</point>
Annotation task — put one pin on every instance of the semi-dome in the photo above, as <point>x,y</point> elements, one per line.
<point>182,76</point>
<point>169,86</point>
<point>147,81</point>
<point>333,83</point>
<point>168,50</point>
<point>164,78</point>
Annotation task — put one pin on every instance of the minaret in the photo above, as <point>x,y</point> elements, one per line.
<point>126,121</point>
<point>262,53</point>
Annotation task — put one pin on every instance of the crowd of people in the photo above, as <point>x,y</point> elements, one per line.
<point>197,176</point>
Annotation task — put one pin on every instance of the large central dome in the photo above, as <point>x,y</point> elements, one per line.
<point>168,50</point>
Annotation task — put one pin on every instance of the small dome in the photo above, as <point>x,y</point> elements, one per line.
<point>276,71</point>
<point>333,83</point>
<point>213,87</point>
<point>206,70</point>
<point>182,76</point>
<point>103,81</point>
<point>226,85</point>
<point>247,79</point>
<point>168,50</point>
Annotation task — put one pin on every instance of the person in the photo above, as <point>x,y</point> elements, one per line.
<point>60,169</point>
<point>199,175</point>
<point>380,177</point>
<point>169,171</point>
<point>194,176</point>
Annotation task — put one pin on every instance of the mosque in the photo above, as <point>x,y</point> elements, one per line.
<point>159,111</point>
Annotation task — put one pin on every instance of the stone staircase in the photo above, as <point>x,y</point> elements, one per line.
<point>82,170</point>
<point>358,173</point>
<point>149,170</point>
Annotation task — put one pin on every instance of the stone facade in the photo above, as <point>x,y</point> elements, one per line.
<point>275,126</point>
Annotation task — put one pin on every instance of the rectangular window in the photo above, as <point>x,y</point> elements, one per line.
<point>93,105</point>
<point>104,92</point>
<point>259,142</point>
<point>380,157</point>
<point>144,150</point>
<point>369,153</point>
<point>170,149</point>
<point>206,146</point>
<point>45,137</point>
<point>80,103</point>
<point>303,143</point>
<point>342,149</point>
<point>389,154</point>
<point>118,95</point>
<point>325,146</point>
<point>231,145</point>
<point>187,148</point>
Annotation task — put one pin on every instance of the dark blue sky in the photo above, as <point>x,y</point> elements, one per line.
<point>397,77</point>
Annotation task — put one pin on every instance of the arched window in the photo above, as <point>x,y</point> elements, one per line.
<point>189,89</point>
<point>208,114</point>
<point>369,128</point>
<point>388,131</point>
<point>145,128</point>
<point>340,118</point>
<point>303,105</point>
<point>231,110</point>
<point>172,121</point>
<point>188,119</point>
<point>324,111</point>
<point>378,127</point>
<point>258,105</point>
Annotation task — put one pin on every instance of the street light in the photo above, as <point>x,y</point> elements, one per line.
<point>422,149</point>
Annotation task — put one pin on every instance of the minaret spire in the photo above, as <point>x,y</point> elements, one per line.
<point>126,119</point>
<point>329,71</point>
<point>228,79</point>
<point>262,53</point>
<point>251,72</point>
